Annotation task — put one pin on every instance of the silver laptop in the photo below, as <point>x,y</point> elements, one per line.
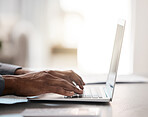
<point>92,93</point>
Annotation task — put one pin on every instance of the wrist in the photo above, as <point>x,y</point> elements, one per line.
<point>10,84</point>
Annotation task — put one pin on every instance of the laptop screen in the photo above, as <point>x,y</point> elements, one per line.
<point>110,84</point>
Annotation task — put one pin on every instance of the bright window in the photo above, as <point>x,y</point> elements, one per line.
<point>90,26</point>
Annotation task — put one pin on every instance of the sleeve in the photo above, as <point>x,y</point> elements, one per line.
<point>2,85</point>
<point>7,69</point>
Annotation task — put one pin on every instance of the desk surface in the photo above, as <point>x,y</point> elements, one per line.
<point>130,100</point>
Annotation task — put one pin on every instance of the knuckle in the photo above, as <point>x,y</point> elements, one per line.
<point>46,75</point>
<point>71,71</point>
<point>40,73</point>
<point>66,76</point>
<point>51,71</point>
<point>43,71</point>
<point>63,82</point>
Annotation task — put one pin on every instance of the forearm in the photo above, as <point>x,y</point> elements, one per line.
<point>10,74</point>
<point>10,84</point>
<point>11,81</point>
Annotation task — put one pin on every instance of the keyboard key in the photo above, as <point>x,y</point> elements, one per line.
<point>99,93</point>
<point>87,93</point>
<point>94,93</point>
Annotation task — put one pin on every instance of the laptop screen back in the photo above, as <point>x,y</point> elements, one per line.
<point>110,84</point>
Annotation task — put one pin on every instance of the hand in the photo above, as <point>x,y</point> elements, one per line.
<point>36,83</point>
<point>69,76</point>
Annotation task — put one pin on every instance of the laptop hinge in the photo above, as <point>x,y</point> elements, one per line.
<point>106,93</point>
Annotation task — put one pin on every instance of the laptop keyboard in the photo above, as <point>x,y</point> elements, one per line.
<point>88,92</point>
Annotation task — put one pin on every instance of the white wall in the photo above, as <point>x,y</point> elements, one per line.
<point>140,65</point>
<point>9,7</point>
<point>35,13</point>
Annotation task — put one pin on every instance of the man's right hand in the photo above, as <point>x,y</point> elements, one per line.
<point>36,83</point>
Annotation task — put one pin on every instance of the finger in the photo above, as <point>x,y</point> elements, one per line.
<point>77,76</point>
<point>76,79</point>
<point>69,86</point>
<point>73,76</point>
<point>81,79</point>
<point>63,83</point>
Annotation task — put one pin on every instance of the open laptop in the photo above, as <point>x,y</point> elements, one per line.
<point>92,93</point>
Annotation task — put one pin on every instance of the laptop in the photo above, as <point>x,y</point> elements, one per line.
<point>96,93</point>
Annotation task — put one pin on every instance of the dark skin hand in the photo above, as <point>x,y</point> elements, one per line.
<point>27,83</point>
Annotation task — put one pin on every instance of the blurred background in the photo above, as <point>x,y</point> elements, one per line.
<point>73,34</point>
